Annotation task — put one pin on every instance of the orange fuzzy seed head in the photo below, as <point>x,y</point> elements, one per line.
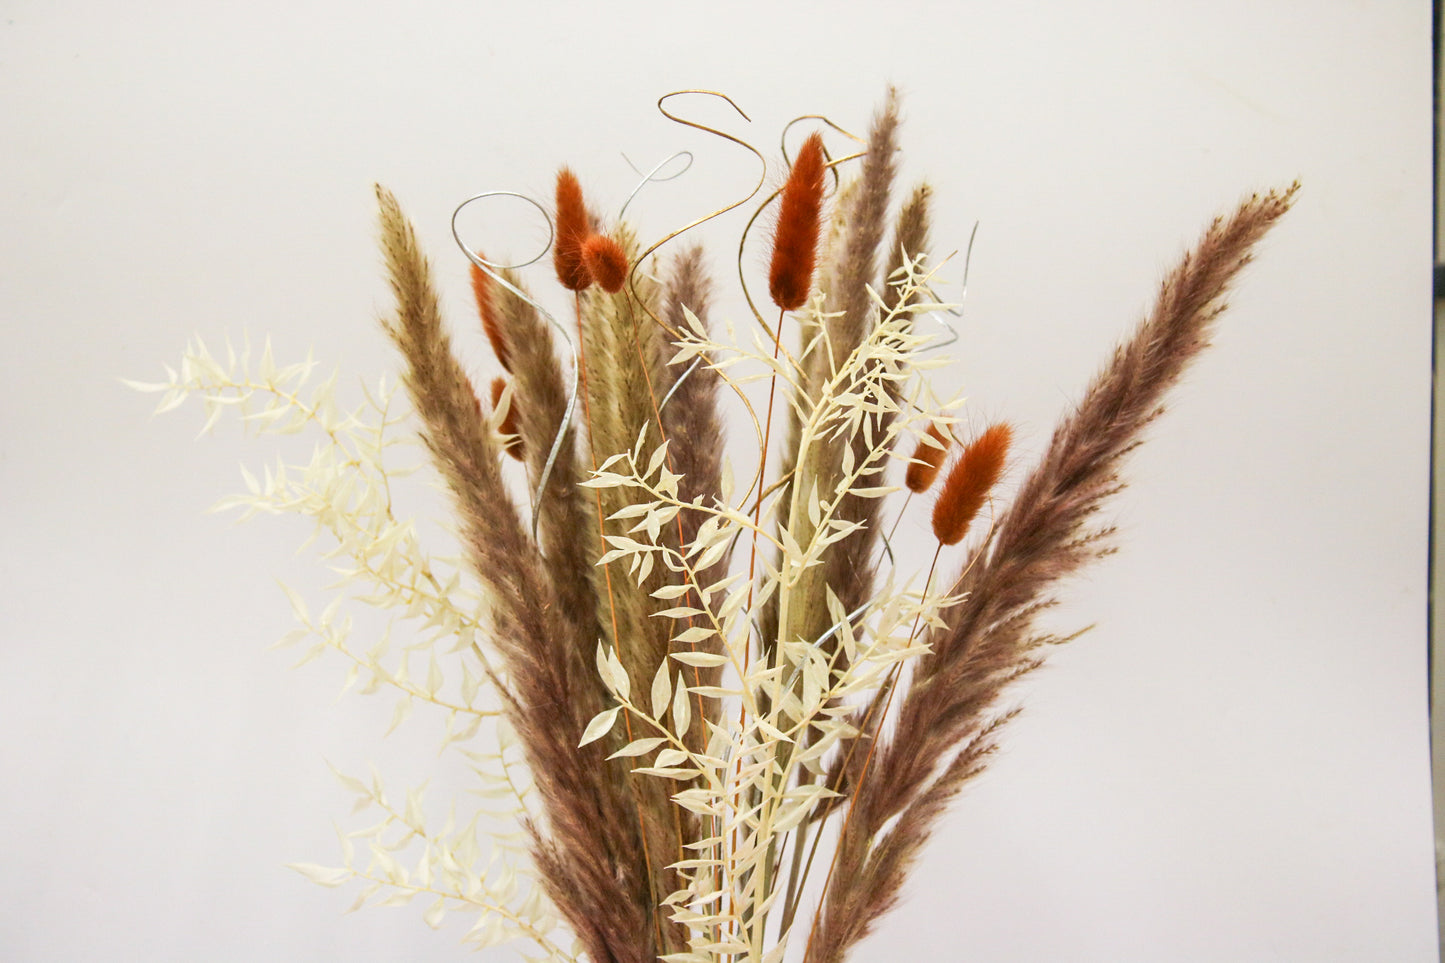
<point>487,308</point>
<point>573,227</point>
<point>606,262</point>
<point>969,481</point>
<point>927,460</point>
<point>795,242</point>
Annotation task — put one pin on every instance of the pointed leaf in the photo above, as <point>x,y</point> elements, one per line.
<point>600,725</point>
<point>661,691</point>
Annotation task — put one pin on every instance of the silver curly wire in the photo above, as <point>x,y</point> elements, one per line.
<point>678,383</point>
<point>955,312</point>
<point>493,271</point>
<point>651,176</point>
<point>843,621</point>
<point>951,338</point>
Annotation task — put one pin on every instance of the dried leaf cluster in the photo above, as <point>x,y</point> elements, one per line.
<point>722,718</point>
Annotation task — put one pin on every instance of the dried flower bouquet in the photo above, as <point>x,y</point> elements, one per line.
<point>724,716</point>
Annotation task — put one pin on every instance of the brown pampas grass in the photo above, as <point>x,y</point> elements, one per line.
<point>855,265</point>
<point>573,226</point>
<point>969,481</point>
<point>949,717</point>
<point>795,240</point>
<point>698,685</point>
<point>483,294</point>
<point>541,394</point>
<point>928,458</point>
<point>691,415</point>
<point>605,262</point>
<point>910,239</point>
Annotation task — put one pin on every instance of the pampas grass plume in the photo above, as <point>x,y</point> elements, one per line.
<point>573,227</point>
<point>606,262</point>
<point>795,243</point>
<point>969,481</point>
<point>927,460</point>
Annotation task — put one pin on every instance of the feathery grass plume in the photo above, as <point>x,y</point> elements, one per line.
<point>616,395</point>
<point>910,239</point>
<point>795,239</point>
<point>487,310</point>
<point>567,523</point>
<point>512,444</point>
<point>605,261</point>
<point>948,719</point>
<point>928,458</point>
<point>586,853</point>
<point>626,354</point>
<point>850,564</point>
<point>691,416</point>
<point>625,359</point>
<point>541,391</point>
<point>790,279</point>
<point>573,226</point>
<point>969,481</point>
<point>857,257</point>
<point>847,568</point>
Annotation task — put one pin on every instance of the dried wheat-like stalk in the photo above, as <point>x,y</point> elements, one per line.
<point>676,724</point>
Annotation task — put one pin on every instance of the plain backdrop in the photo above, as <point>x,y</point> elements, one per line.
<point>1232,766</point>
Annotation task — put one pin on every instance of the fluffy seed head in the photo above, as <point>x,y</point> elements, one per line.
<point>605,261</point>
<point>508,427</point>
<point>969,482</point>
<point>487,308</point>
<point>927,460</point>
<point>795,243</point>
<point>573,227</point>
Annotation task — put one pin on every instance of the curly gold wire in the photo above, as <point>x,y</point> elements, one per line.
<point>641,258</point>
<point>783,140</point>
<point>705,128</point>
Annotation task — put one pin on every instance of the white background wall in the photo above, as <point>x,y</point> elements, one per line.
<point>1232,766</point>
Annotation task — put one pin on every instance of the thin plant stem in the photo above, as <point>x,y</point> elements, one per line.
<point>763,463</point>
<point>757,520</point>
